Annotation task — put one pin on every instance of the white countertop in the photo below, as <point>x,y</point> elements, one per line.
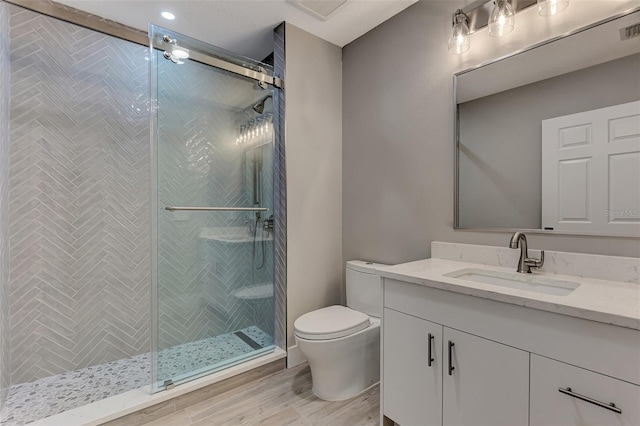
<point>611,302</point>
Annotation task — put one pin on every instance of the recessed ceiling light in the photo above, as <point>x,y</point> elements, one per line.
<point>168,15</point>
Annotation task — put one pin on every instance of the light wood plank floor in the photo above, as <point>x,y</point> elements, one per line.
<point>283,398</point>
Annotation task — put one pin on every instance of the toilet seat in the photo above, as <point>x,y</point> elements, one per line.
<point>329,323</point>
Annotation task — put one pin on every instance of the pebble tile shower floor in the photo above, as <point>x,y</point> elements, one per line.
<point>42,398</point>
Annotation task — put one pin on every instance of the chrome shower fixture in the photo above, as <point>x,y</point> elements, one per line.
<point>259,106</point>
<point>176,54</point>
<point>260,85</point>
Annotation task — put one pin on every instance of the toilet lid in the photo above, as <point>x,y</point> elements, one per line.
<point>330,323</point>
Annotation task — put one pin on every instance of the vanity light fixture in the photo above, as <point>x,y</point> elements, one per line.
<point>498,15</point>
<point>502,19</point>
<point>459,41</point>
<point>551,7</point>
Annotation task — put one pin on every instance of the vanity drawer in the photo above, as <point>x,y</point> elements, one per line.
<point>550,406</point>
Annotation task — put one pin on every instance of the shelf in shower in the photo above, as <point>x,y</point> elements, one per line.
<point>231,235</point>
<point>260,291</point>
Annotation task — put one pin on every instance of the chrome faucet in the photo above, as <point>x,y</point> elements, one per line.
<point>525,263</point>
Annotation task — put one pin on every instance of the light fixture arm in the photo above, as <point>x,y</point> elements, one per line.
<point>459,17</point>
<point>478,13</point>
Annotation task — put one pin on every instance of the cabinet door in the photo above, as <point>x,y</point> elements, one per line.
<point>412,388</point>
<point>550,406</point>
<point>489,382</point>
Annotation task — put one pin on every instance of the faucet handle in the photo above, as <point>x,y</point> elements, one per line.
<point>535,263</point>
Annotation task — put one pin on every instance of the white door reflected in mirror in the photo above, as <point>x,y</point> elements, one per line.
<point>591,171</point>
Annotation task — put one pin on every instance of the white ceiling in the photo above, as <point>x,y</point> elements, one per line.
<point>245,26</point>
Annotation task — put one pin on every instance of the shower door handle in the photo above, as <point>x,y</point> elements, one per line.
<point>218,209</point>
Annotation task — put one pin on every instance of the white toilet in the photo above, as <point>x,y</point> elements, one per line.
<point>342,344</point>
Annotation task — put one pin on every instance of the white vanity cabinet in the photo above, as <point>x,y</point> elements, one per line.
<point>413,383</point>
<point>488,383</point>
<point>508,363</point>
<point>460,379</point>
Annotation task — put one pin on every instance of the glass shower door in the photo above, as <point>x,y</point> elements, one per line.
<point>213,261</point>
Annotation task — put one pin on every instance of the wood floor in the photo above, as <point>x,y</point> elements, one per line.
<point>284,398</point>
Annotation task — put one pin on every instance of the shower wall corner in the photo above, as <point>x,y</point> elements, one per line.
<point>280,192</point>
<point>5,81</point>
<point>153,211</point>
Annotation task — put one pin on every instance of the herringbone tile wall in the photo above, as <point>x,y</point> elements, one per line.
<point>280,193</point>
<point>79,201</point>
<point>78,216</point>
<point>263,310</point>
<point>5,80</point>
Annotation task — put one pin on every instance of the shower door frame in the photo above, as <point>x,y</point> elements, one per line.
<point>244,67</point>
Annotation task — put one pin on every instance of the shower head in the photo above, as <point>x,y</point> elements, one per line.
<point>259,106</point>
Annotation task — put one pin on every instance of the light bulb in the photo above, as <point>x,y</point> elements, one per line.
<point>168,16</point>
<point>459,41</point>
<point>551,7</point>
<point>502,19</point>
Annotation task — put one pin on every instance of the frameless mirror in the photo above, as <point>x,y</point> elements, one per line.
<point>549,139</point>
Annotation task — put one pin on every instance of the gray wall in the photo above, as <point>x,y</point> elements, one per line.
<point>79,203</point>
<point>313,94</point>
<point>398,145</point>
<point>491,154</point>
<point>5,92</point>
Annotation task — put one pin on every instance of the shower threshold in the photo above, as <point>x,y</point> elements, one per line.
<point>88,387</point>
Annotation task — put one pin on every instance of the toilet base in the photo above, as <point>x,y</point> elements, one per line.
<point>349,397</point>
<point>345,367</point>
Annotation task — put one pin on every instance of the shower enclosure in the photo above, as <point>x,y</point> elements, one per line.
<point>212,154</point>
<point>137,206</point>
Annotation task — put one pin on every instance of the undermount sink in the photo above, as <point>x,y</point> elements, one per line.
<point>527,282</point>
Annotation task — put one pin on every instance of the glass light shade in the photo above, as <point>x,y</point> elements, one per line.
<point>502,19</point>
<point>459,41</point>
<point>551,7</point>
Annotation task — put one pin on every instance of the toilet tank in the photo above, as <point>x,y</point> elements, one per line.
<point>364,287</point>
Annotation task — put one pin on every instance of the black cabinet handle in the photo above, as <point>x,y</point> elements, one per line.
<point>451,367</point>
<point>610,406</point>
<point>429,354</point>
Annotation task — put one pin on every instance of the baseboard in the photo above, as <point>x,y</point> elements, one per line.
<point>295,357</point>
